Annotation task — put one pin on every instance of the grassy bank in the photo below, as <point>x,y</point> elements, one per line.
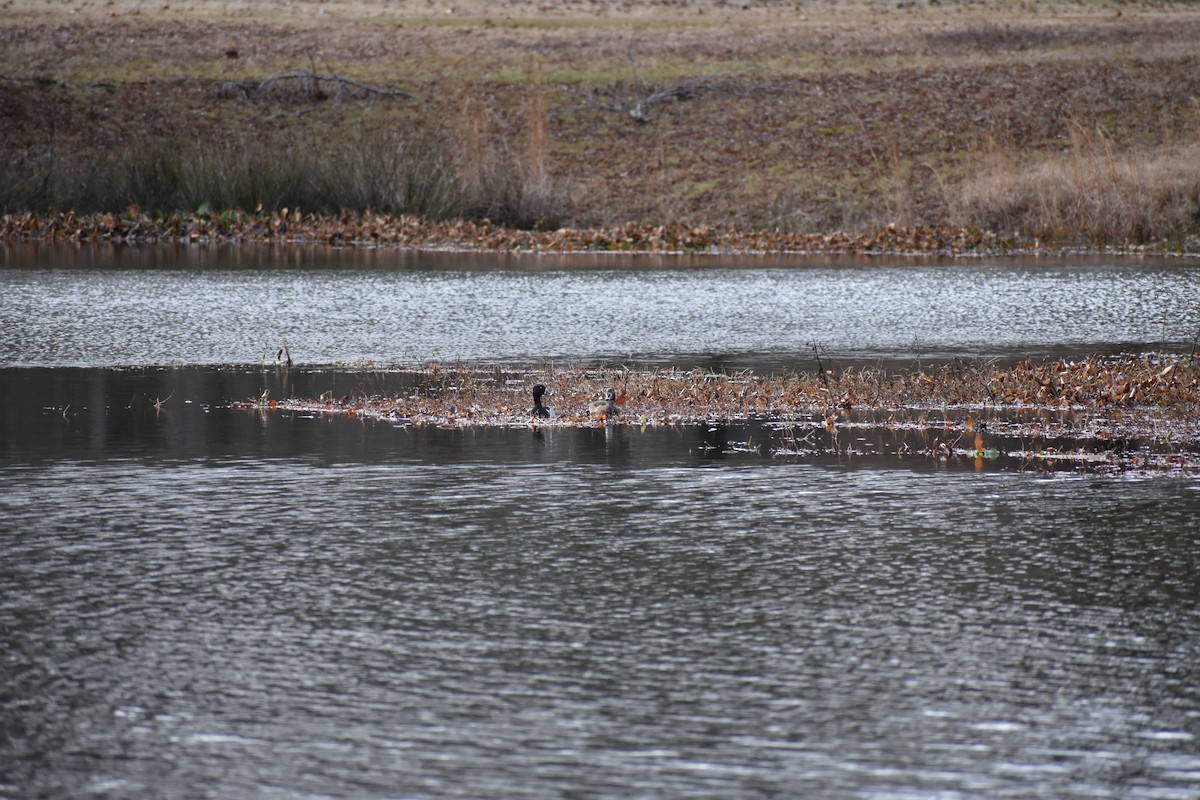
<point>1075,123</point>
<point>1095,192</point>
<point>1093,195</point>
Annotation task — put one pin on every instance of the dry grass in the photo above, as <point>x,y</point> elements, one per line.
<point>389,176</point>
<point>504,178</point>
<point>501,184</point>
<point>1096,191</point>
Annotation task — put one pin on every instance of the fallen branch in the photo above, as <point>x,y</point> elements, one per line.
<point>638,107</point>
<point>47,81</point>
<point>256,89</point>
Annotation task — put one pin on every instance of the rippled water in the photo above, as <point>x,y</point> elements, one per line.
<point>526,626</point>
<point>738,313</point>
<point>197,601</point>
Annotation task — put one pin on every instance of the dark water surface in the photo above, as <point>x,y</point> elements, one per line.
<point>202,602</point>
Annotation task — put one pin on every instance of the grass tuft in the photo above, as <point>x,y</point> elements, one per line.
<point>1093,191</point>
<point>505,179</point>
<point>377,173</point>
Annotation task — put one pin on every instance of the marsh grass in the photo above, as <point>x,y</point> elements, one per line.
<point>1094,190</point>
<point>505,179</point>
<point>1126,412</point>
<point>365,172</point>
<point>386,176</point>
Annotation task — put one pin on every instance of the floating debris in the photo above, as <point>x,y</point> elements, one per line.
<point>1128,412</point>
<point>367,229</point>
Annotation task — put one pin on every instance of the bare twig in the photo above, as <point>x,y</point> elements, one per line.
<point>820,366</point>
<point>158,402</point>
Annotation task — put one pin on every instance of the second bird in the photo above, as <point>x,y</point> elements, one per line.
<point>606,408</point>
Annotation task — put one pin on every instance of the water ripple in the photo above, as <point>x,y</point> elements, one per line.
<point>534,630</point>
<point>724,313</point>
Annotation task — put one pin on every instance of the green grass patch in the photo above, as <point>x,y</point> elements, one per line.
<point>701,188</point>
<point>618,72</point>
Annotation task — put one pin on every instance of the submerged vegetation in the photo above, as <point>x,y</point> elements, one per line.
<point>1115,412</point>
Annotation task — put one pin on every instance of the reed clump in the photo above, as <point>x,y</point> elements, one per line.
<point>1095,191</point>
<point>387,176</point>
<point>377,173</point>
<point>504,178</point>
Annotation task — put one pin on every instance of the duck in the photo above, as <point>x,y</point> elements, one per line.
<point>606,408</point>
<point>539,410</point>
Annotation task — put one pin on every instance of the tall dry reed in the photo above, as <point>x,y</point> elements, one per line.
<point>1095,191</point>
<point>504,178</point>
<point>381,173</point>
<point>479,175</point>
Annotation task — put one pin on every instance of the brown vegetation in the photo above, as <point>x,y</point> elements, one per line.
<point>1100,405</point>
<point>1076,122</point>
<point>369,229</point>
<point>1095,192</point>
<point>1096,384</point>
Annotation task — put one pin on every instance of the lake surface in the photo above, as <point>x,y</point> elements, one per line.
<point>223,306</point>
<point>199,601</point>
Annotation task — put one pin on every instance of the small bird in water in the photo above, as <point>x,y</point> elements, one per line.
<point>539,410</point>
<point>606,408</point>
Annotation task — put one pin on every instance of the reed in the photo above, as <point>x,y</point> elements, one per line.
<point>504,178</point>
<point>1094,191</point>
<point>386,176</point>
<point>383,174</point>
<point>1123,413</point>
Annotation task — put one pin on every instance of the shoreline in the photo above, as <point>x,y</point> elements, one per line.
<point>367,230</point>
<point>757,128</point>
